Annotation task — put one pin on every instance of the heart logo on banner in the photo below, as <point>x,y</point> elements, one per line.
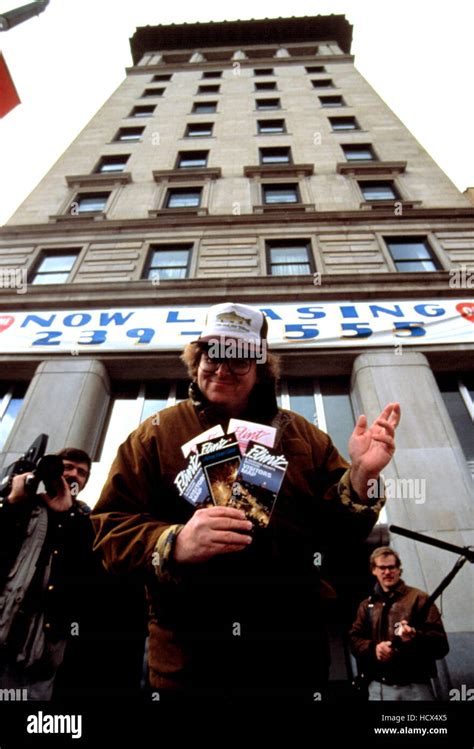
<point>466,309</point>
<point>5,322</point>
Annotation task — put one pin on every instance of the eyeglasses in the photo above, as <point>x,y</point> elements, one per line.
<point>389,567</point>
<point>235,366</point>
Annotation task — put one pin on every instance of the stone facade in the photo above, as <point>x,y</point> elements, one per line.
<point>228,233</point>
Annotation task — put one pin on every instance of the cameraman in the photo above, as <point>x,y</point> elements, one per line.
<point>45,560</point>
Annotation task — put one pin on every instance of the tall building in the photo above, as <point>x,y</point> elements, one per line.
<point>250,161</point>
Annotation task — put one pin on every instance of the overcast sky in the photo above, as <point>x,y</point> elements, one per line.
<point>417,54</point>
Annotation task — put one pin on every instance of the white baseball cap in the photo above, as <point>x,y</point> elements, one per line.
<point>229,320</point>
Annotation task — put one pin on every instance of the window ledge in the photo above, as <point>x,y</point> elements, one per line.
<point>178,212</point>
<point>91,215</point>
<point>277,170</point>
<point>100,179</point>
<point>293,207</point>
<point>186,174</point>
<point>345,133</point>
<point>192,138</point>
<point>374,204</point>
<point>271,135</point>
<point>371,167</point>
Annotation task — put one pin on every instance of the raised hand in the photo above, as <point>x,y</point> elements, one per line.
<point>371,448</point>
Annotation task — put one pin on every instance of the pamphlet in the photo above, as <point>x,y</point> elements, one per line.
<point>209,434</point>
<point>258,482</point>
<point>247,431</point>
<point>220,460</point>
<point>191,482</point>
<point>239,469</point>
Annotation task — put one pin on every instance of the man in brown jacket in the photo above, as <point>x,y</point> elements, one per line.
<point>398,659</point>
<point>236,610</point>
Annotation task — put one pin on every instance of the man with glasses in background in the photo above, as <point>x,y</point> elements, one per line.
<point>397,659</point>
<point>235,609</point>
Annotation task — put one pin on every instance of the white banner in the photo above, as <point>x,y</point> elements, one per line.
<point>304,325</point>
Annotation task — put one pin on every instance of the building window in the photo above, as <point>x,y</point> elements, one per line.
<point>168,262</point>
<point>208,89</point>
<point>153,92</point>
<point>264,71</point>
<point>458,396</point>
<point>315,69</point>
<point>54,267</point>
<point>286,258</point>
<point>332,101</point>
<point>275,155</point>
<point>271,126</point>
<point>343,123</point>
<point>412,254</point>
<point>323,83</point>
<point>265,104</point>
<point>11,400</point>
<point>265,86</point>
<point>192,159</point>
<point>212,74</point>
<point>109,164</point>
<point>129,134</point>
<point>184,197</point>
<point>354,152</point>
<point>378,190</point>
<point>204,107</point>
<point>274,194</point>
<point>161,77</point>
<point>89,202</point>
<point>324,402</point>
<point>199,130</point>
<point>145,111</point>
<point>131,403</point>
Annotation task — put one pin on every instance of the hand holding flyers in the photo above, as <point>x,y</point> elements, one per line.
<point>237,470</point>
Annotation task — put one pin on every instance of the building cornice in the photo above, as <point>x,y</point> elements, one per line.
<point>77,225</point>
<point>229,64</point>
<point>242,33</point>
<point>331,287</point>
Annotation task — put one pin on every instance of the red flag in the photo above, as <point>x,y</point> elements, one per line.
<point>8,94</point>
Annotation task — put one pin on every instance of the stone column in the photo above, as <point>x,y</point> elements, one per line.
<point>68,400</point>
<point>430,484</point>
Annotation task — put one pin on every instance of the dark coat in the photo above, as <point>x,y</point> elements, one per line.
<point>412,661</point>
<point>249,619</point>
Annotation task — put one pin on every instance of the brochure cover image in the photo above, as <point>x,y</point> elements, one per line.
<point>258,482</point>
<point>220,460</point>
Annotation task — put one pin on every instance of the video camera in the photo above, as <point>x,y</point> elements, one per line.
<point>45,468</point>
